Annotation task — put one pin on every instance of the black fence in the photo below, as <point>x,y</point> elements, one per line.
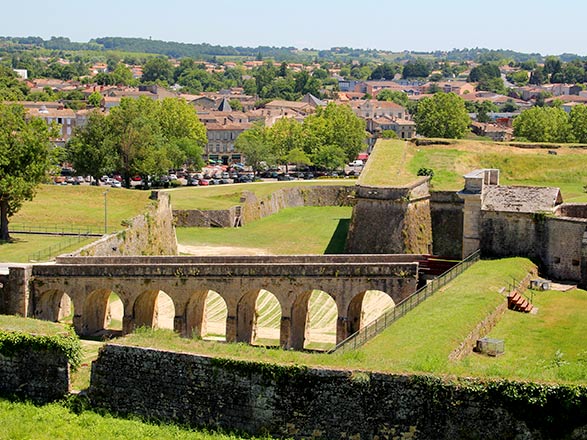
<point>55,249</point>
<point>389,317</point>
<point>96,231</point>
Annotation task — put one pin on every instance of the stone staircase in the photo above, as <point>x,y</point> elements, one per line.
<point>518,303</point>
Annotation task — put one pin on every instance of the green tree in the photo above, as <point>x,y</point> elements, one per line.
<point>137,138</point>
<point>122,75</point>
<point>578,120</point>
<point>543,124</point>
<point>24,160</point>
<point>184,134</point>
<point>90,149</point>
<point>443,115</point>
<point>334,125</point>
<point>157,69</point>
<point>330,157</point>
<point>95,99</point>
<point>285,136</point>
<point>416,69</point>
<point>400,98</point>
<point>255,146</point>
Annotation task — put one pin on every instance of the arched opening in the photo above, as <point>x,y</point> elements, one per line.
<point>114,314</point>
<point>55,306</point>
<point>215,315</point>
<point>259,318</point>
<point>206,316</point>
<point>155,309</point>
<point>321,322</point>
<point>314,317</point>
<point>95,311</point>
<point>366,307</point>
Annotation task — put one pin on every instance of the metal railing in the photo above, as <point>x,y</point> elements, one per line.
<point>17,228</point>
<point>390,316</point>
<point>55,249</point>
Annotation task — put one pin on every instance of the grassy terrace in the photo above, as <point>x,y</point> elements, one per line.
<point>387,165</point>
<point>78,208</point>
<point>518,166</point>
<point>225,196</point>
<point>319,230</point>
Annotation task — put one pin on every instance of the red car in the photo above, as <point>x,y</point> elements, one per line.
<point>203,182</point>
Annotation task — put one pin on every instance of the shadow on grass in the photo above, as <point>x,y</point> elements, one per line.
<point>338,239</point>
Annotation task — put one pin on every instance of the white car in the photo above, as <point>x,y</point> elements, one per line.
<point>357,163</point>
<point>115,184</point>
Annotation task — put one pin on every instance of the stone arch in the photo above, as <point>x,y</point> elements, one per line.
<point>251,319</point>
<point>94,313</point>
<point>366,307</point>
<point>54,305</point>
<point>305,318</point>
<point>206,311</point>
<point>155,309</point>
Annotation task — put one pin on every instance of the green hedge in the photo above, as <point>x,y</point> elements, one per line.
<point>69,345</point>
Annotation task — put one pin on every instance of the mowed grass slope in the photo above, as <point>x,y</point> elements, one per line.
<point>304,230</point>
<point>69,208</point>
<point>550,345</point>
<point>423,340</point>
<point>518,166</point>
<point>81,206</point>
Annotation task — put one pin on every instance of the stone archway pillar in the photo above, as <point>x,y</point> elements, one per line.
<point>179,325</point>
<point>128,324</point>
<point>341,328</point>
<point>285,332</point>
<point>231,322</point>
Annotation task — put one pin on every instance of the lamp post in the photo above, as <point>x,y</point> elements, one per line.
<point>105,193</point>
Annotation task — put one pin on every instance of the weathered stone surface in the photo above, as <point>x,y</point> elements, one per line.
<point>41,376</point>
<point>298,402</point>
<point>446,211</point>
<point>391,220</point>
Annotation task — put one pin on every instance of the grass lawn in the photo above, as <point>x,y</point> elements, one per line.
<point>55,421</point>
<point>24,246</point>
<point>81,206</point>
<point>304,230</point>
<point>387,165</point>
<point>225,196</point>
<point>68,208</point>
<point>14,323</point>
<point>551,345</point>
<point>518,166</point>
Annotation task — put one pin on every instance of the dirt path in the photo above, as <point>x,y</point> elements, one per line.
<point>220,250</point>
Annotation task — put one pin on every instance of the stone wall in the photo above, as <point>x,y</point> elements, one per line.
<point>299,402</point>
<point>151,233</point>
<point>15,292</point>
<point>223,218</point>
<point>253,208</point>
<point>39,375</point>
<point>557,244</point>
<point>446,211</point>
<point>391,220</point>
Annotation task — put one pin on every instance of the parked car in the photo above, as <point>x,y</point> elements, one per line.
<point>115,184</point>
<point>284,177</point>
<point>357,163</point>
<point>203,182</point>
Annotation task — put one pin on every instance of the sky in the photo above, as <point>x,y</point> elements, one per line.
<point>544,26</point>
